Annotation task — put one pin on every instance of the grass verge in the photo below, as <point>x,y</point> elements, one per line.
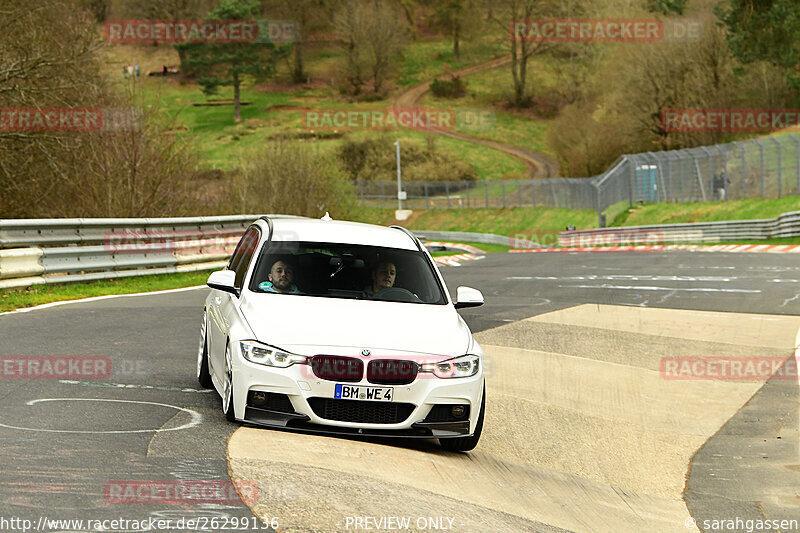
<point>11,299</point>
<point>753,208</point>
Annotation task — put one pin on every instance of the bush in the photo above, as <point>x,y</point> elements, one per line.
<point>454,88</point>
<point>375,159</point>
<point>291,178</point>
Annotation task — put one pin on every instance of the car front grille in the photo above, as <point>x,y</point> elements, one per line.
<point>392,371</point>
<point>337,368</point>
<point>361,411</point>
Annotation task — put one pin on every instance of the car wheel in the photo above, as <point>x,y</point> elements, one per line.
<point>227,387</point>
<point>465,444</point>
<point>203,375</point>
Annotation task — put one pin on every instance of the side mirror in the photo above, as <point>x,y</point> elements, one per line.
<point>223,280</point>
<point>468,297</point>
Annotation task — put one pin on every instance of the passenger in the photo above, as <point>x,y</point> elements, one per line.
<point>281,279</point>
<point>383,276</point>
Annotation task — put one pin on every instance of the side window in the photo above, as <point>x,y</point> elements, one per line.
<point>243,254</point>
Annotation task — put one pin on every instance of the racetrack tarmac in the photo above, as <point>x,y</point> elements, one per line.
<point>582,433</point>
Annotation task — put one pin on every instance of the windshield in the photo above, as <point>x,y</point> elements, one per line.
<point>335,270</point>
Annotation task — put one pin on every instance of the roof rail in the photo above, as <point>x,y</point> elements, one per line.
<point>408,232</point>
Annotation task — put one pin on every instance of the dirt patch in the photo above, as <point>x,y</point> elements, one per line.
<point>287,108</point>
<point>227,101</point>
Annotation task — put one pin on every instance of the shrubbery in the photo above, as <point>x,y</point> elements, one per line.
<point>376,159</point>
<point>291,177</point>
<point>454,88</point>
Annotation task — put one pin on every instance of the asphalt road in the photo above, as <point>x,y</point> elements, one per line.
<point>70,443</point>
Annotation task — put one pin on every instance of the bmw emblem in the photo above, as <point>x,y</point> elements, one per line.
<point>365,352</point>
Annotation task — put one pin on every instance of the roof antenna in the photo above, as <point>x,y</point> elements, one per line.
<point>327,216</point>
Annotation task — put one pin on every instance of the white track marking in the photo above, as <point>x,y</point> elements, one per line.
<point>196,417</point>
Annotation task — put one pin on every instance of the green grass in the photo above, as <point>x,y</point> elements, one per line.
<point>753,208</point>
<point>490,89</point>
<point>424,59</point>
<point>11,299</point>
<point>489,248</point>
<point>538,224</point>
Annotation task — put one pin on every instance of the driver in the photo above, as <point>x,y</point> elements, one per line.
<point>383,277</point>
<point>281,279</point>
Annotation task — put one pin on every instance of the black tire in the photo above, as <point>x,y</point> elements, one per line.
<point>227,404</point>
<point>465,444</point>
<point>203,374</point>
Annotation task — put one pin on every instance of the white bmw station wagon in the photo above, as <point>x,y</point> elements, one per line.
<point>345,328</point>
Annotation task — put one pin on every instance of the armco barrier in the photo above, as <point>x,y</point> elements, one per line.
<point>786,225</point>
<point>65,250</point>
<point>42,251</point>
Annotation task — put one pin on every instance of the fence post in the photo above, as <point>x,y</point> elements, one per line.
<point>725,179</point>
<point>710,169</point>
<point>447,192</point>
<point>427,198</point>
<point>631,178</point>
<point>361,186</point>
<point>600,221</point>
<point>797,161</point>
<point>468,188</point>
<point>761,152</point>
<point>780,165</point>
<point>486,188</point>
<point>744,169</point>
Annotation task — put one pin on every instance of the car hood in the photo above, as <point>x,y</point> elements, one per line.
<point>302,324</point>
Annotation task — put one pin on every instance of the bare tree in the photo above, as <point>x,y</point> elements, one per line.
<point>292,178</point>
<point>510,13</point>
<point>373,39</point>
<point>49,59</point>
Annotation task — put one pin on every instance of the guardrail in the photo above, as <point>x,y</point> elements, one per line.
<point>34,252</point>
<point>786,225</point>
<point>42,251</point>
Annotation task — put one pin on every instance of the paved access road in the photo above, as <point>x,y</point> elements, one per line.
<point>582,433</point>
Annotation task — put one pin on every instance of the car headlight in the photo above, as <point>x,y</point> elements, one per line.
<point>263,354</point>
<point>458,367</point>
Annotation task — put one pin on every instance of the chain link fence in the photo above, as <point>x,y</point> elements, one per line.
<point>768,167</point>
<point>576,193</point>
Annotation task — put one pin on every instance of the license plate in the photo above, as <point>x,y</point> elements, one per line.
<point>359,392</point>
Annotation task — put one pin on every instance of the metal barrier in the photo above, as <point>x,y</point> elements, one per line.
<point>43,251</point>
<point>786,225</point>
<point>65,250</point>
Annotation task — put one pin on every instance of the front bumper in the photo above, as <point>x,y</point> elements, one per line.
<point>302,388</point>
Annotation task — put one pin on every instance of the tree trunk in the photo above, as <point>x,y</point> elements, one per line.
<point>523,76</point>
<point>298,74</point>
<point>237,105</point>
<point>456,39</point>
